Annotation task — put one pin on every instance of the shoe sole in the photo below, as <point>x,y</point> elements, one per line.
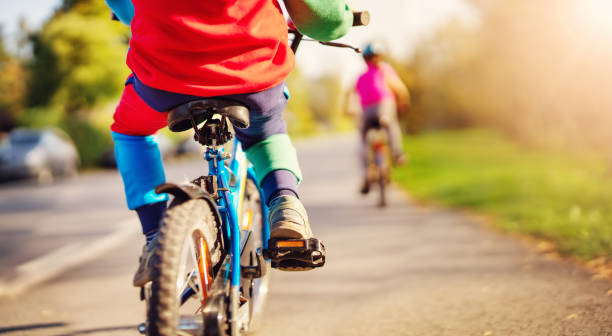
<point>294,269</point>
<point>288,232</point>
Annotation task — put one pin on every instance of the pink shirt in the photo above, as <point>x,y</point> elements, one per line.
<point>371,86</point>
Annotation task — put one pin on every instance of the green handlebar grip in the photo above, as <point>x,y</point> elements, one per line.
<point>323,20</point>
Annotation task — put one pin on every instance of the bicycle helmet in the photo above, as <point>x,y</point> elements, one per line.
<point>373,49</point>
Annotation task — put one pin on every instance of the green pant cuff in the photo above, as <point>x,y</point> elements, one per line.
<point>274,153</point>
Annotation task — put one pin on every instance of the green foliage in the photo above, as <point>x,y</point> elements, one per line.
<point>90,8</point>
<point>298,115</point>
<point>411,120</point>
<point>439,77</point>
<point>44,73</point>
<point>3,53</point>
<point>562,198</point>
<point>12,89</point>
<point>315,105</point>
<point>39,117</point>
<point>326,103</point>
<point>75,67</point>
<point>90,138</point>
<point>537,72</point>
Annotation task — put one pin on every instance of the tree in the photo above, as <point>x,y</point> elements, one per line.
<point>12,88</point>
<point>77,66</point>
<point>537,72</point>
<point>298,115</point>
<point>78,58</point>
<point>326,99</point>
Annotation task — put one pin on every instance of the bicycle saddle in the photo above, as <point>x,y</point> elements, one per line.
<point>179,118</point>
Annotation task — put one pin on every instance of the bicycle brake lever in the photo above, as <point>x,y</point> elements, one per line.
<point>341,45</point>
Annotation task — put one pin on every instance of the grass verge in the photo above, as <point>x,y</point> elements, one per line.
<point>563,198</point>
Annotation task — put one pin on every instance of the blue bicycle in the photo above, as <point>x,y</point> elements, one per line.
<point>214,236</point>
<point>214,248</point>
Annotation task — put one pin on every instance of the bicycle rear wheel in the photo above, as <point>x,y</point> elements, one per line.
<point>188,251</point>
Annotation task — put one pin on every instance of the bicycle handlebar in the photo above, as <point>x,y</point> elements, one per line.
<point>361,18</point>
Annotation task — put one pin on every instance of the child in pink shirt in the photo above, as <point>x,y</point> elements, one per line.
<point>380,91</point>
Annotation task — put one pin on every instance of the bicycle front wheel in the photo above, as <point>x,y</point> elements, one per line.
<point>187,252</point>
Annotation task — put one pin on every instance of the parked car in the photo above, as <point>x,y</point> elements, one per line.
<point>37,153</point>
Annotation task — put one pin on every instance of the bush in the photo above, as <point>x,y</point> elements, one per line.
<point>90,139</point>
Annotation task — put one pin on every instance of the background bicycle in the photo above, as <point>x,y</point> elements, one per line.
<point>378,164</point>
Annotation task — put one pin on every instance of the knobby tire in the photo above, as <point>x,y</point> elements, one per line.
<point>181,222</point>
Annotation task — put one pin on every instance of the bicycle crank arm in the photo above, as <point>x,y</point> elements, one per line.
<point>295,254</point>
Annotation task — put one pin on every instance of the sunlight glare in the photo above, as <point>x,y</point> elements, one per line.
<point>597,15</point>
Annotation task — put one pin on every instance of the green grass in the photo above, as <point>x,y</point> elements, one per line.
<point>564,198</point>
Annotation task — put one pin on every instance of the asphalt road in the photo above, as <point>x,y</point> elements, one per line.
<point>404,270</point>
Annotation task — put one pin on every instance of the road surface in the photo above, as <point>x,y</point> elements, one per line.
<point>404,270</point>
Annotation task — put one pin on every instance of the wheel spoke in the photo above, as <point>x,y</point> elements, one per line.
<point>197,266</point>
<point>184,286</point>
<point>183,276</point>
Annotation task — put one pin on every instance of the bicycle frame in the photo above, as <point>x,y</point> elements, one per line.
<point>231,180</point>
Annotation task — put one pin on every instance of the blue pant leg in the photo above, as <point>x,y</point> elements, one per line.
<point>266,120</point>
<point>265,117</point>
<point>140,164</point>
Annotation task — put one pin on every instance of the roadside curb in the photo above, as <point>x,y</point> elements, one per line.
<point>56,262</point>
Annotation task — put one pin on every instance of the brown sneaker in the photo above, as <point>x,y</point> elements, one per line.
<point>288,218</point>
<point>143,273</point>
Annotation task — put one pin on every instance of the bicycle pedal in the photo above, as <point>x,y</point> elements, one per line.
<point>295,254</point>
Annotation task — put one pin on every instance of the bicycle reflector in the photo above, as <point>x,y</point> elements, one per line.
<point>290,243</point>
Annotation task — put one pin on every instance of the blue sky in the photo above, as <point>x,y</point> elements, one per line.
<point>35,12</point>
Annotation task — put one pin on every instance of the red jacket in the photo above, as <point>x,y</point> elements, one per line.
<point>209,48</point>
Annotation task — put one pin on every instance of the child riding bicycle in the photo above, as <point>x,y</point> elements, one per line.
<point>237,50</point>
<point>381,92</point>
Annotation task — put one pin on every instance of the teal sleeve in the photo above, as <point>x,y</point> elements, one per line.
<point>124,9</point>
<point>323,20</point>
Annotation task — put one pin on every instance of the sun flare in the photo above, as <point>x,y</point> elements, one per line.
<point>597,14</point>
